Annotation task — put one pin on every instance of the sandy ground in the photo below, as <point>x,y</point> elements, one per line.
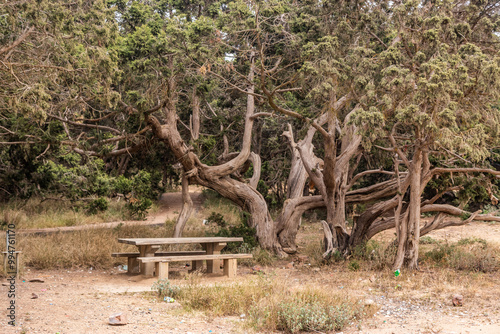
<point>81,301</point>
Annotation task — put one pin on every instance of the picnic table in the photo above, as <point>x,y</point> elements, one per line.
<point>150,260</point>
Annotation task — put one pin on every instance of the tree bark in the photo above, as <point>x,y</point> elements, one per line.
<point>187,208</point>
<point>195,119</point>
<point>218,177</point>
<point>409,236</point>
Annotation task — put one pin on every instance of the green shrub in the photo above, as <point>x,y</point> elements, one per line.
<point>217,218</point>
<point>354,265</point>
<point>138,208</point>
<point>373,255</point>
<point>164,289</point>
<point>269,304</point>
<point>315,310</point>
<point>242,230</point>
<point>261,256</point>
<point>97,205</point>
<point>122,185</point>
<point>312,316</point>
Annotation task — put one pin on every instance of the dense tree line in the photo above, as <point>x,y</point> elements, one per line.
<point>385,105</point>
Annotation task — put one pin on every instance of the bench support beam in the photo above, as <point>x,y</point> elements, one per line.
<point>230,267</point>
<point>147,269</point>
<point>196,265</point>
<point>133,265</point>
<point>213,266</point>
<point>161,270</point>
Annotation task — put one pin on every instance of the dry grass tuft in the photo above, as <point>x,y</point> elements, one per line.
<point>80,249</point>
<point>36,213</point>
<point>269,304</point>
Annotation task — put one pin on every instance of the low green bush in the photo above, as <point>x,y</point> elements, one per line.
<point>97,205</point>
<point>138,207</point>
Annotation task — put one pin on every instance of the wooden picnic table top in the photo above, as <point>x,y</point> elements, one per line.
<point>172,241</point>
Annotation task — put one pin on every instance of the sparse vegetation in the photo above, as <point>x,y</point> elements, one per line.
<point>470,254</point>
<point>268,304</point>
<point>40,213</point>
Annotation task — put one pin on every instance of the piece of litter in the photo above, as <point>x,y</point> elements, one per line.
<point>118,319</point>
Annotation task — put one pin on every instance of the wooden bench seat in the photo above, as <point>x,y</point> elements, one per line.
<point>161,262</point>
<point>180,253</point>
<point>133,264</point>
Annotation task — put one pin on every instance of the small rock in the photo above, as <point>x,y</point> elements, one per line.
<point>118,319</point>
<point>316,269</point>
<point>34,296</point>
<point>457,300</point>
<point>289,265</point>
<point>36,280</point>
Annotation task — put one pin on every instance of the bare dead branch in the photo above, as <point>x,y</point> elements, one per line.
<point>102,127</point>
<point>18,41</point>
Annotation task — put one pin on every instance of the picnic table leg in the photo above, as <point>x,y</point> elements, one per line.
<point>162,270</point>
<point>213,266</point>
<point>148,251</point>
<point>195,265</point>
<point>133,265</point>
<point>230,267</point>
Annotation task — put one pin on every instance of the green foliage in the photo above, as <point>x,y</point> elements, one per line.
<point>165,289</point>
<point>353,265</point>
<point>122,185</point>
<point>217,218</point>
<point>73,179</point>
<point>262,256</point>
<point>97,205</point>
<point>373,256</point>
<point>241,230</point>
<point>297,315</point>
<point>143,185</point>
<point>138,207</point>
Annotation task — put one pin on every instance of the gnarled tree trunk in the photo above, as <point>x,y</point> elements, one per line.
<point>218,177</point>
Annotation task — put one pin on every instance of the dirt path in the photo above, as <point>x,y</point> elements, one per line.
<point>169,206</point>
<point>81,301</point>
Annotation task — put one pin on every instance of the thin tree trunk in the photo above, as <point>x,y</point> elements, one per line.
<point>195,120</point>
<point>187,208</point>
<point>407,255</point>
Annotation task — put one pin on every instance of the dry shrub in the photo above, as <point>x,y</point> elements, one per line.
<point>470,254</point>
<point>260,256</point>
<point>270,304</point>
<point>314,250</point>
